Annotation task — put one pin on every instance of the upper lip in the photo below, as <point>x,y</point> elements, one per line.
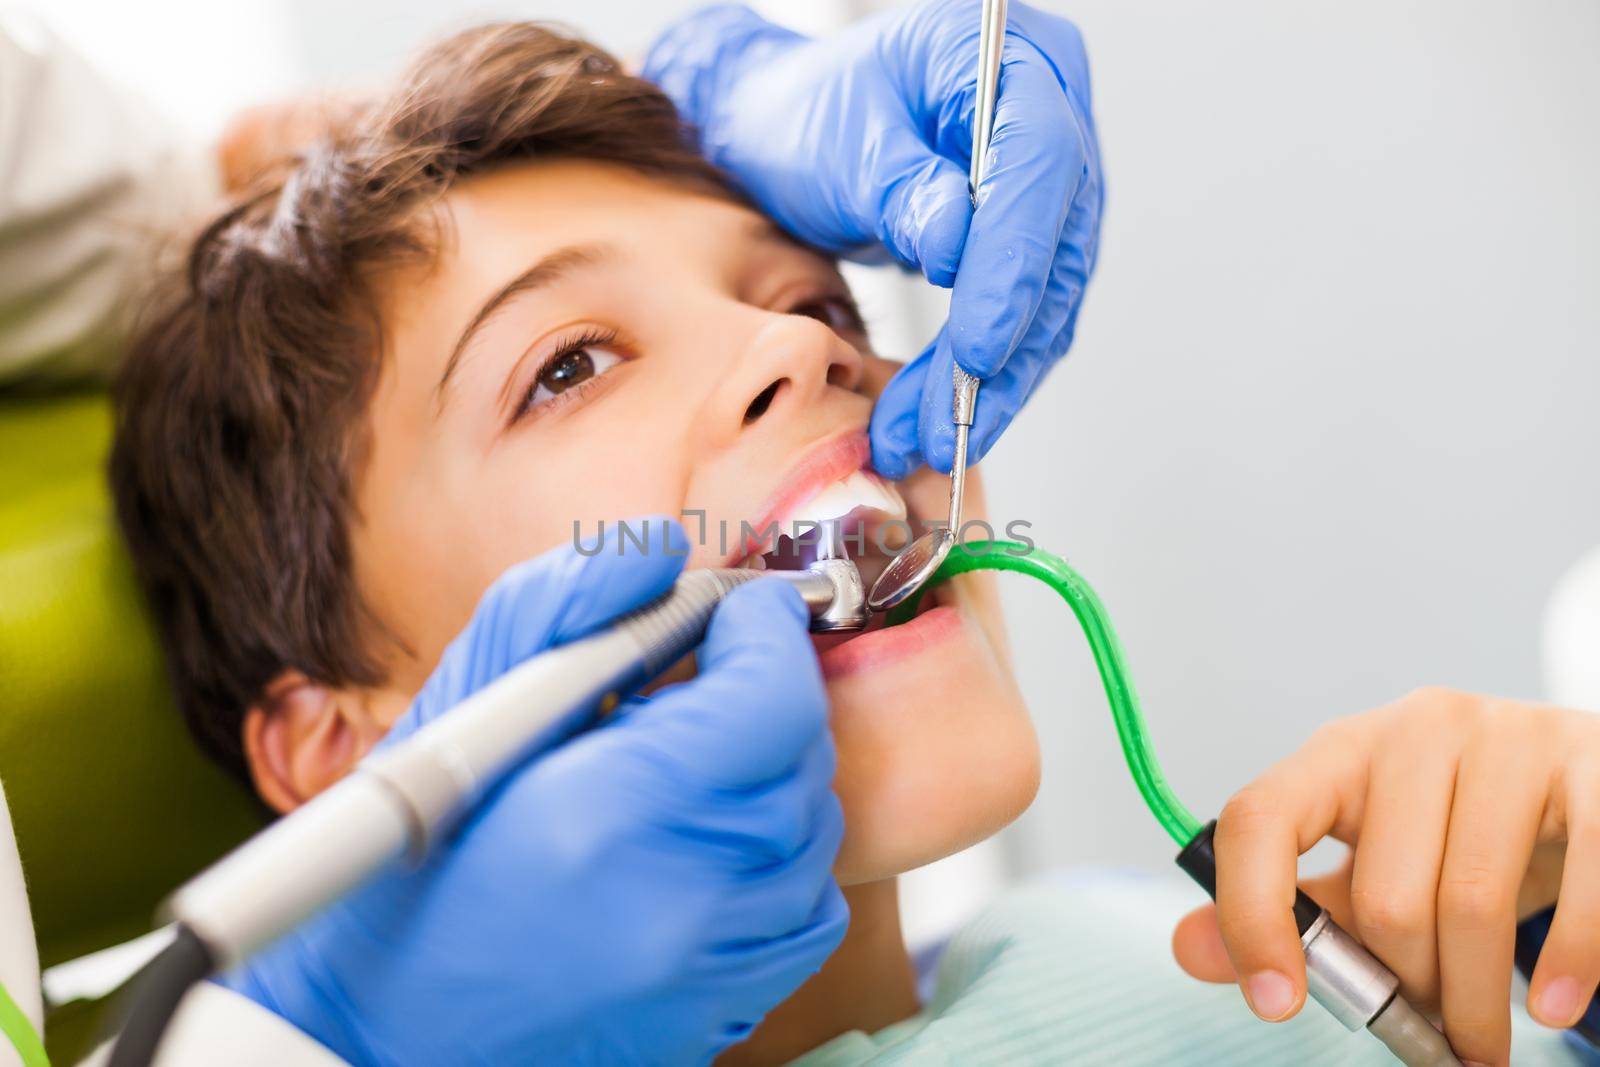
<point>825,462</point>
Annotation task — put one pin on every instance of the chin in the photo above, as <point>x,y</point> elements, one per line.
<point>936,748</point>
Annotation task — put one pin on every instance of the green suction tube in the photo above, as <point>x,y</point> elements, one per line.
<point>1343,975</point>
<point>1053,571</point>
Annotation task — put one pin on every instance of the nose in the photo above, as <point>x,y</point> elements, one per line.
<point>788,363</point>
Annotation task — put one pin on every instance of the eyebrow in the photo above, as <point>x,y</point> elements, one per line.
<point>547,271</point>
<point>766,231</point>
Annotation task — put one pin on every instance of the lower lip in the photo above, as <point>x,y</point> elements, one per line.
<point>879,648</point>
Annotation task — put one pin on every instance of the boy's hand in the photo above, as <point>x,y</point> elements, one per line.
<point>1465,814</point>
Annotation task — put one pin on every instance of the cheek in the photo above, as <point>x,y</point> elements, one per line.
<point>935,754</point>
<point>447,537</point>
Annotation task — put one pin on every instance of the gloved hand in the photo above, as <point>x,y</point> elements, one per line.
<point>644,893</point>
<point>861,143</point>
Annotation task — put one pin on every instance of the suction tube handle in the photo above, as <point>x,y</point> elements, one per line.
<point>1341,975</point>
<point>1199,861</point>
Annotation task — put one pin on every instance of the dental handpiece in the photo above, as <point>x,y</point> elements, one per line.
<point>400,800</point>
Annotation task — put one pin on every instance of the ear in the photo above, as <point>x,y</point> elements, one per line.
<point>301,737</point>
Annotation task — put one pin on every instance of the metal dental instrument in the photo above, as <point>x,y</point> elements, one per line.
<point>402,799</point>
<point>912,568</point>
<point>848,609</point>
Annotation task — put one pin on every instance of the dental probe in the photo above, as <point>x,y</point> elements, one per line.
<point>1341,975</point>
<point>911,569</point>
<point>964,392</point>
<point>402,799</point>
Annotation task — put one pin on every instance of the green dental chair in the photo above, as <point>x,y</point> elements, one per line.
<point>113,805</point>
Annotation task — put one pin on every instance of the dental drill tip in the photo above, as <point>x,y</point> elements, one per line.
<point>830,540</point>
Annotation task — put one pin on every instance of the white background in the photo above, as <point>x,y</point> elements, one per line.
<point>1328,431</point>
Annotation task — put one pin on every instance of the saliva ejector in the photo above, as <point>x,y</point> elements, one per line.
<point>1341,975</point>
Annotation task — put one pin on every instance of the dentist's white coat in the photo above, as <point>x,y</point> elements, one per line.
<point>89,180</point>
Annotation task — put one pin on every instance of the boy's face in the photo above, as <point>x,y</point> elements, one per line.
<point>709,365</point>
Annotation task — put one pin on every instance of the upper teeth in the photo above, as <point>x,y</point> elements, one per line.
<point>859,489</point>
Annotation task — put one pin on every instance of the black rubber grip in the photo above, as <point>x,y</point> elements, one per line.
<point>154,994</point>
<point>1199,861</point>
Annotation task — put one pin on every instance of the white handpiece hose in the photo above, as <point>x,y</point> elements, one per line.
<point>402,797</point>
<point>394,801</point>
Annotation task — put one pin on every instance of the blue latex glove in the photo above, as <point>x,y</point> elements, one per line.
<point>860,143</point>
<point>644,893</point>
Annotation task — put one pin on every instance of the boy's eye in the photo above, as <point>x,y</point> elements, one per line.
<point>567,371</point>
<point>837,313</point>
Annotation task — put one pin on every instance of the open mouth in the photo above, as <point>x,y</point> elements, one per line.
<point>858,514</point>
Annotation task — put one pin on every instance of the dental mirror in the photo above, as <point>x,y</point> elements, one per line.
<point>908,571</point>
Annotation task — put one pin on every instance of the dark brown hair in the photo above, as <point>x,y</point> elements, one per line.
<point>241,405</point>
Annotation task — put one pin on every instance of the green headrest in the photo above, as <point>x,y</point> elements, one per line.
<point>113,804</point>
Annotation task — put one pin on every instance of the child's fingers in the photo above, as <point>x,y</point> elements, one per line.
<point>1260,835</point>
<point>1395,880</point>
<point>1197,940</point>
<point>1501,789</point>
<point>1569,964</point>
<point>1198,948</point>
<point>1332,891</point>
<point>1257,845</point>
